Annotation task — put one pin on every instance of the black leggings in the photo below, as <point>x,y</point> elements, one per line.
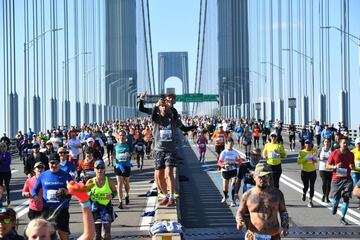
<point>276,173</point>
<point>306,178</point>
<point>256,141</point>
<point>326,182</point>
<point>6,176</point>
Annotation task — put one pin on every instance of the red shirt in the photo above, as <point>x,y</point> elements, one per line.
<point>29,185</point>
<point>346,159</point>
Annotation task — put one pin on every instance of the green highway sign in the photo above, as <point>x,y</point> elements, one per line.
<point>188,97</point>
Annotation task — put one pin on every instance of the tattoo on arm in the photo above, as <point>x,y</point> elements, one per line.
<point>284,216</point>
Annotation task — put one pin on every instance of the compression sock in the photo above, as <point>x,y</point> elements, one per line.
<point>233,194</point>
<point>335,202</point>
<point>344,208</point>
<point>225,194</point>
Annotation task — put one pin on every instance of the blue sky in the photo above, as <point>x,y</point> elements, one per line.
<point>174,25</point>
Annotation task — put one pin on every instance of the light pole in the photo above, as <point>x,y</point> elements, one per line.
<point>272,102</point>
<point>66,88</point>
<point>223,98</point>
<point>263,91</point>
<point>305,97</point>
<point>36,99</point>
<point>345,92</point>
<point>102,109</point>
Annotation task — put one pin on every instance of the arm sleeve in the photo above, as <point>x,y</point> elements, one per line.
<point>143,109</point>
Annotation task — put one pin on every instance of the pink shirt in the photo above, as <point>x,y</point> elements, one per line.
<point>29,185</point>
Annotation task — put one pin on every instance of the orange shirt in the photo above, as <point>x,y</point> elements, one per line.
<point>219,137</point>
<point>147,135</point>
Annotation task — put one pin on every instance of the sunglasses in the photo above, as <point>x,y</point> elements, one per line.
<point>100,168</point>
<point>5,220</point>
<point>62,152</point>
<point>264,177</point>
<point>54,162</point>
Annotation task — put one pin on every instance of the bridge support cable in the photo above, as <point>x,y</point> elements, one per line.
<point>197,56</point>
<point>146,44</point>
<point>202,48</point>
<point>150,46</point>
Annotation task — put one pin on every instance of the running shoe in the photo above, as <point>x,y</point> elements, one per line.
<point>323,198</point>
<point>121,205</point>
<point>171,203</point>
<point>127,201</point>
<point>164,202</point>
<point>223,200</point>
<point>310,205</point>
<point>232,204</point>
<point>303,197</point>
<point>344,222</point>
<point>328,200</point>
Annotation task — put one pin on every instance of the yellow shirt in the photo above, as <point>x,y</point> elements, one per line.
<point>307,160</point>
<point>273,152</point>
<point>356,160</point>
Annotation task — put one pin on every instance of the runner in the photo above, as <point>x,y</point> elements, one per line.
<point>246,140</point>
<point>325,174</point>
<point>35,157</point>
<point>65,164</point>
<point>35,207</point>
<point>229,161</point>
<point>122,167</point>
<point>256,135</point>
<point>201,142</point>
<point>260,208</point>
<point>273,153</point>
<point>341,161</point>
<point>85,169</point>
<point>55,195</point>
<point>74,145</point>
<point>139,146</point>
<point>102,192</point>
<point>148,139</point>
<point>292,136</point>
<point>5,171</point>
<point>110,140</point>
<point>245,172</point>
<point>8,225</point>
<point>307,159</point>
<point>219,137</point>
<point>355,173</point>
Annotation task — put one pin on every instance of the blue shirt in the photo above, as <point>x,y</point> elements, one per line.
<point>68,167</point>
<point>50,182</point>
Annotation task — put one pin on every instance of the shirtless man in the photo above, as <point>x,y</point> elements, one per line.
<point>259,208</point>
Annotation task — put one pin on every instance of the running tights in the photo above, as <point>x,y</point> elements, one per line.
<point>308,178</point>
<point>326,182</point>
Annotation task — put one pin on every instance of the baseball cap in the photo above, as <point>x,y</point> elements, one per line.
<point>308,141</point>
<point>54,156</point>
<point>39,164</point>
<point>99,164</point>
<point>273,133</point>
<point>90,140</point>
<point>261,169</point>
<point>36,145</point>
<point>89,150</point>
<point>8,213</point>
<point>256,151</point>
<point>357,140</point>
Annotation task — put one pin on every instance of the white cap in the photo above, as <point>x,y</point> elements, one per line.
<point>90,140</point>
<point>357,140</point>
<point>273,133</point>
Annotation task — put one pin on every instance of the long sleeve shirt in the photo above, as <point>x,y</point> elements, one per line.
<point>5,161</point>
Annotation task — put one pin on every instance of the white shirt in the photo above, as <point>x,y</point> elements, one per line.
<point>74,145</point>
<point>230,159</point>
<point>322,164</point>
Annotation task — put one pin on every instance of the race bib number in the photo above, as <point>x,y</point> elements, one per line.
<point>273,155</point>
<point>357,163</point>
<point>165,135</point>
<point>139,148</point>
<point>220,140</point>
<point>202,145</point>
<point>51,196</point>
<point>258,236</point>
<point>245,142</point>
<point>230,164</point>
<point>122,157</point>
<point>341,172</point>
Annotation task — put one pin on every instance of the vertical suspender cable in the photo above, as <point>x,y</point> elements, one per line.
<point>145,40</point>
<point>150,43</point>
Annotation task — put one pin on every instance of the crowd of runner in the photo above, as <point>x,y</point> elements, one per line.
<point>65,161</point>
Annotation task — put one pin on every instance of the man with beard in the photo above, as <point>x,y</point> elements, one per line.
<point>259,208</point>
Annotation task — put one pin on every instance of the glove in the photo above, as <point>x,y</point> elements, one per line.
<point>79,190</point>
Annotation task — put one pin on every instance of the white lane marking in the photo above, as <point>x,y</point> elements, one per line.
<point>319,195</point>
<point>22,209</point>
<point>150,206</point>
<point>14,171</point>
<point>22,212</point>
<point>328,206</point>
